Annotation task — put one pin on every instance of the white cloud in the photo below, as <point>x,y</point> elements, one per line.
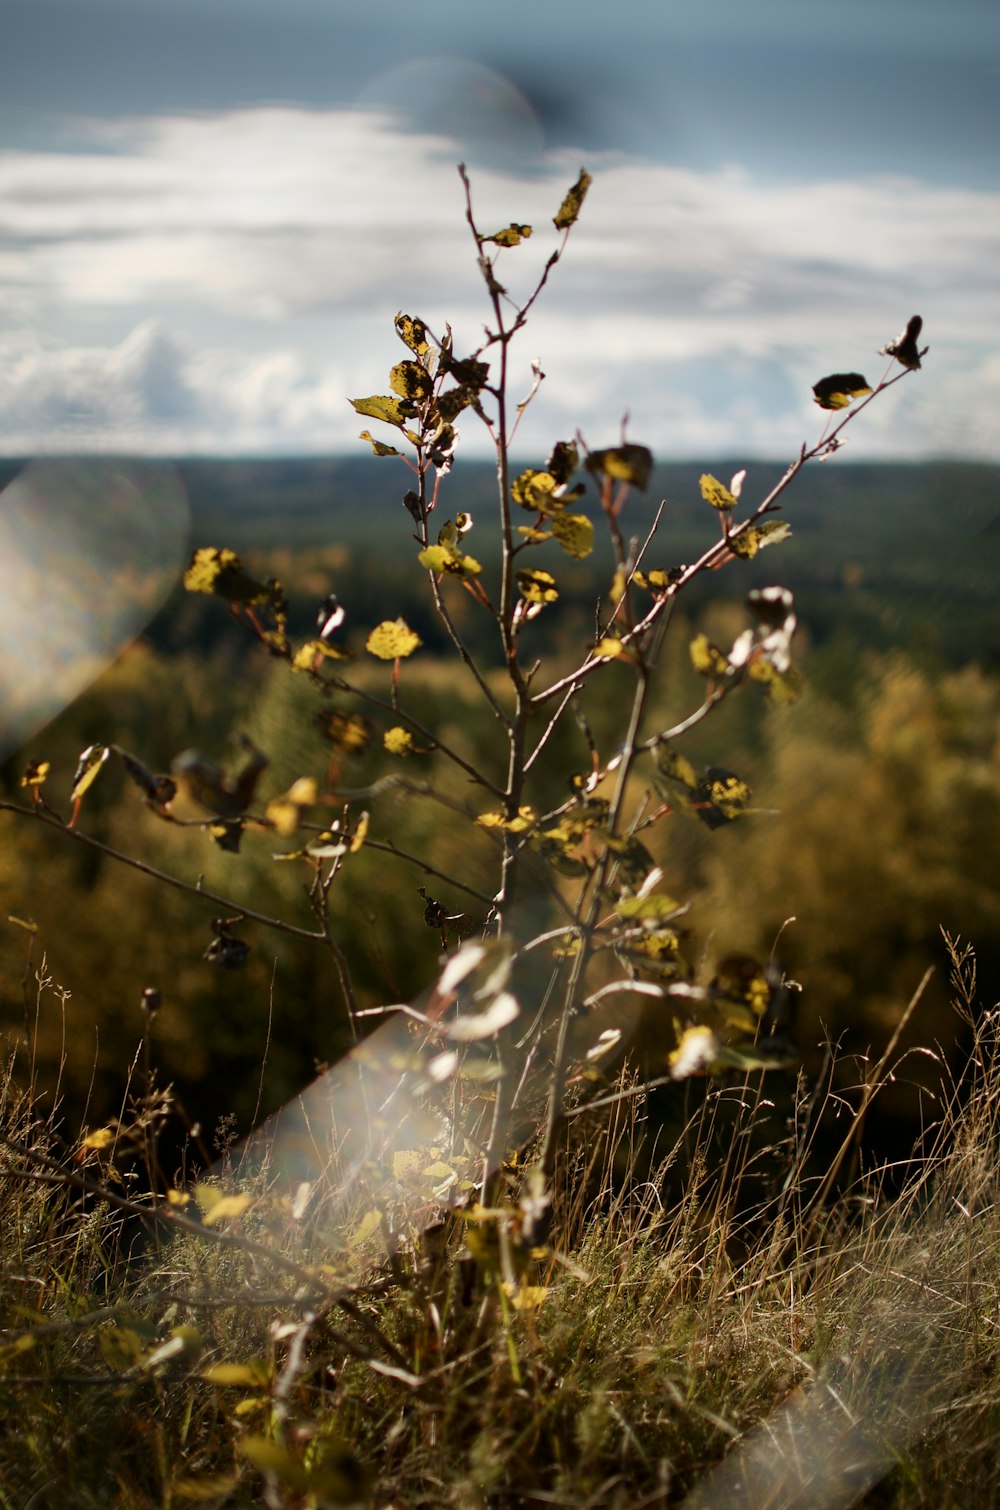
<point>224,282</point>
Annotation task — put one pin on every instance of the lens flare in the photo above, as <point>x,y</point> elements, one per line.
<point>89,551</point>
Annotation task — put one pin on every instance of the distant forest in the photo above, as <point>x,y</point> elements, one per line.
<point>879,792</point>
<point>887,554</point>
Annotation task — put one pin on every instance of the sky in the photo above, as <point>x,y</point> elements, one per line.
<point>211,210</point>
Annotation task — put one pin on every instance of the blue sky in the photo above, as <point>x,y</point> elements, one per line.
<point>210,210</point>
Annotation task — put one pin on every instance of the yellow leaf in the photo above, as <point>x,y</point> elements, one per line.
<point>369,1224</point>
<point>438,1172</point>
<point>412,332</point>
<point>526,1297</point>
<point>629,463</point>
<point>121,1347</point>
<point>837,391</point>
<point>609,649</point>
<point>511,235</point>
<point>312,652</point>
<point>35,773</point>
<point>303,791</point>
<point>216,1207</point>
<point>99,1139</point>
<point>394,411</point>
<point>221,572</point>
<point>449,559</point>
<point>411,381</point>
<point>656,906</point>
<point>379,447</point>
<point>283,816</point>
<point>575,534</point>
<point>17,1345</point>
<point>252,1375</point>
<point>349,732</point>
<point>272,1457</point>
<point>88,769</point>
<point>218,1488</point>
<point>570,208</point>
<point>406,1163</point>
<point>706,658</point>
<point>398,741</point>
<point>716,493</point>
<point>534,490</point>
<point>537,586</point>
<point>392,640</point>
<point>227,1209</point>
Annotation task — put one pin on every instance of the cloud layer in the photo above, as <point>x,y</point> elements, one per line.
<point>223,283</point>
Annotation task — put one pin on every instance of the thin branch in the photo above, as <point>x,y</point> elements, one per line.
<point>214,897</point>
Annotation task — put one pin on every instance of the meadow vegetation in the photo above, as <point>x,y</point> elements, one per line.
<point>650,1154</point>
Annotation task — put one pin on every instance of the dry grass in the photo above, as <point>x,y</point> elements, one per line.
<point>728,1320</point>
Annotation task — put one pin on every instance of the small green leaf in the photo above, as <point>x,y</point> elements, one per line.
<point>569,210</point>
<point>629,463</point>
<point>716,493</point>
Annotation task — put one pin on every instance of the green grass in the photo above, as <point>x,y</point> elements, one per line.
<point>726,1310</point>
